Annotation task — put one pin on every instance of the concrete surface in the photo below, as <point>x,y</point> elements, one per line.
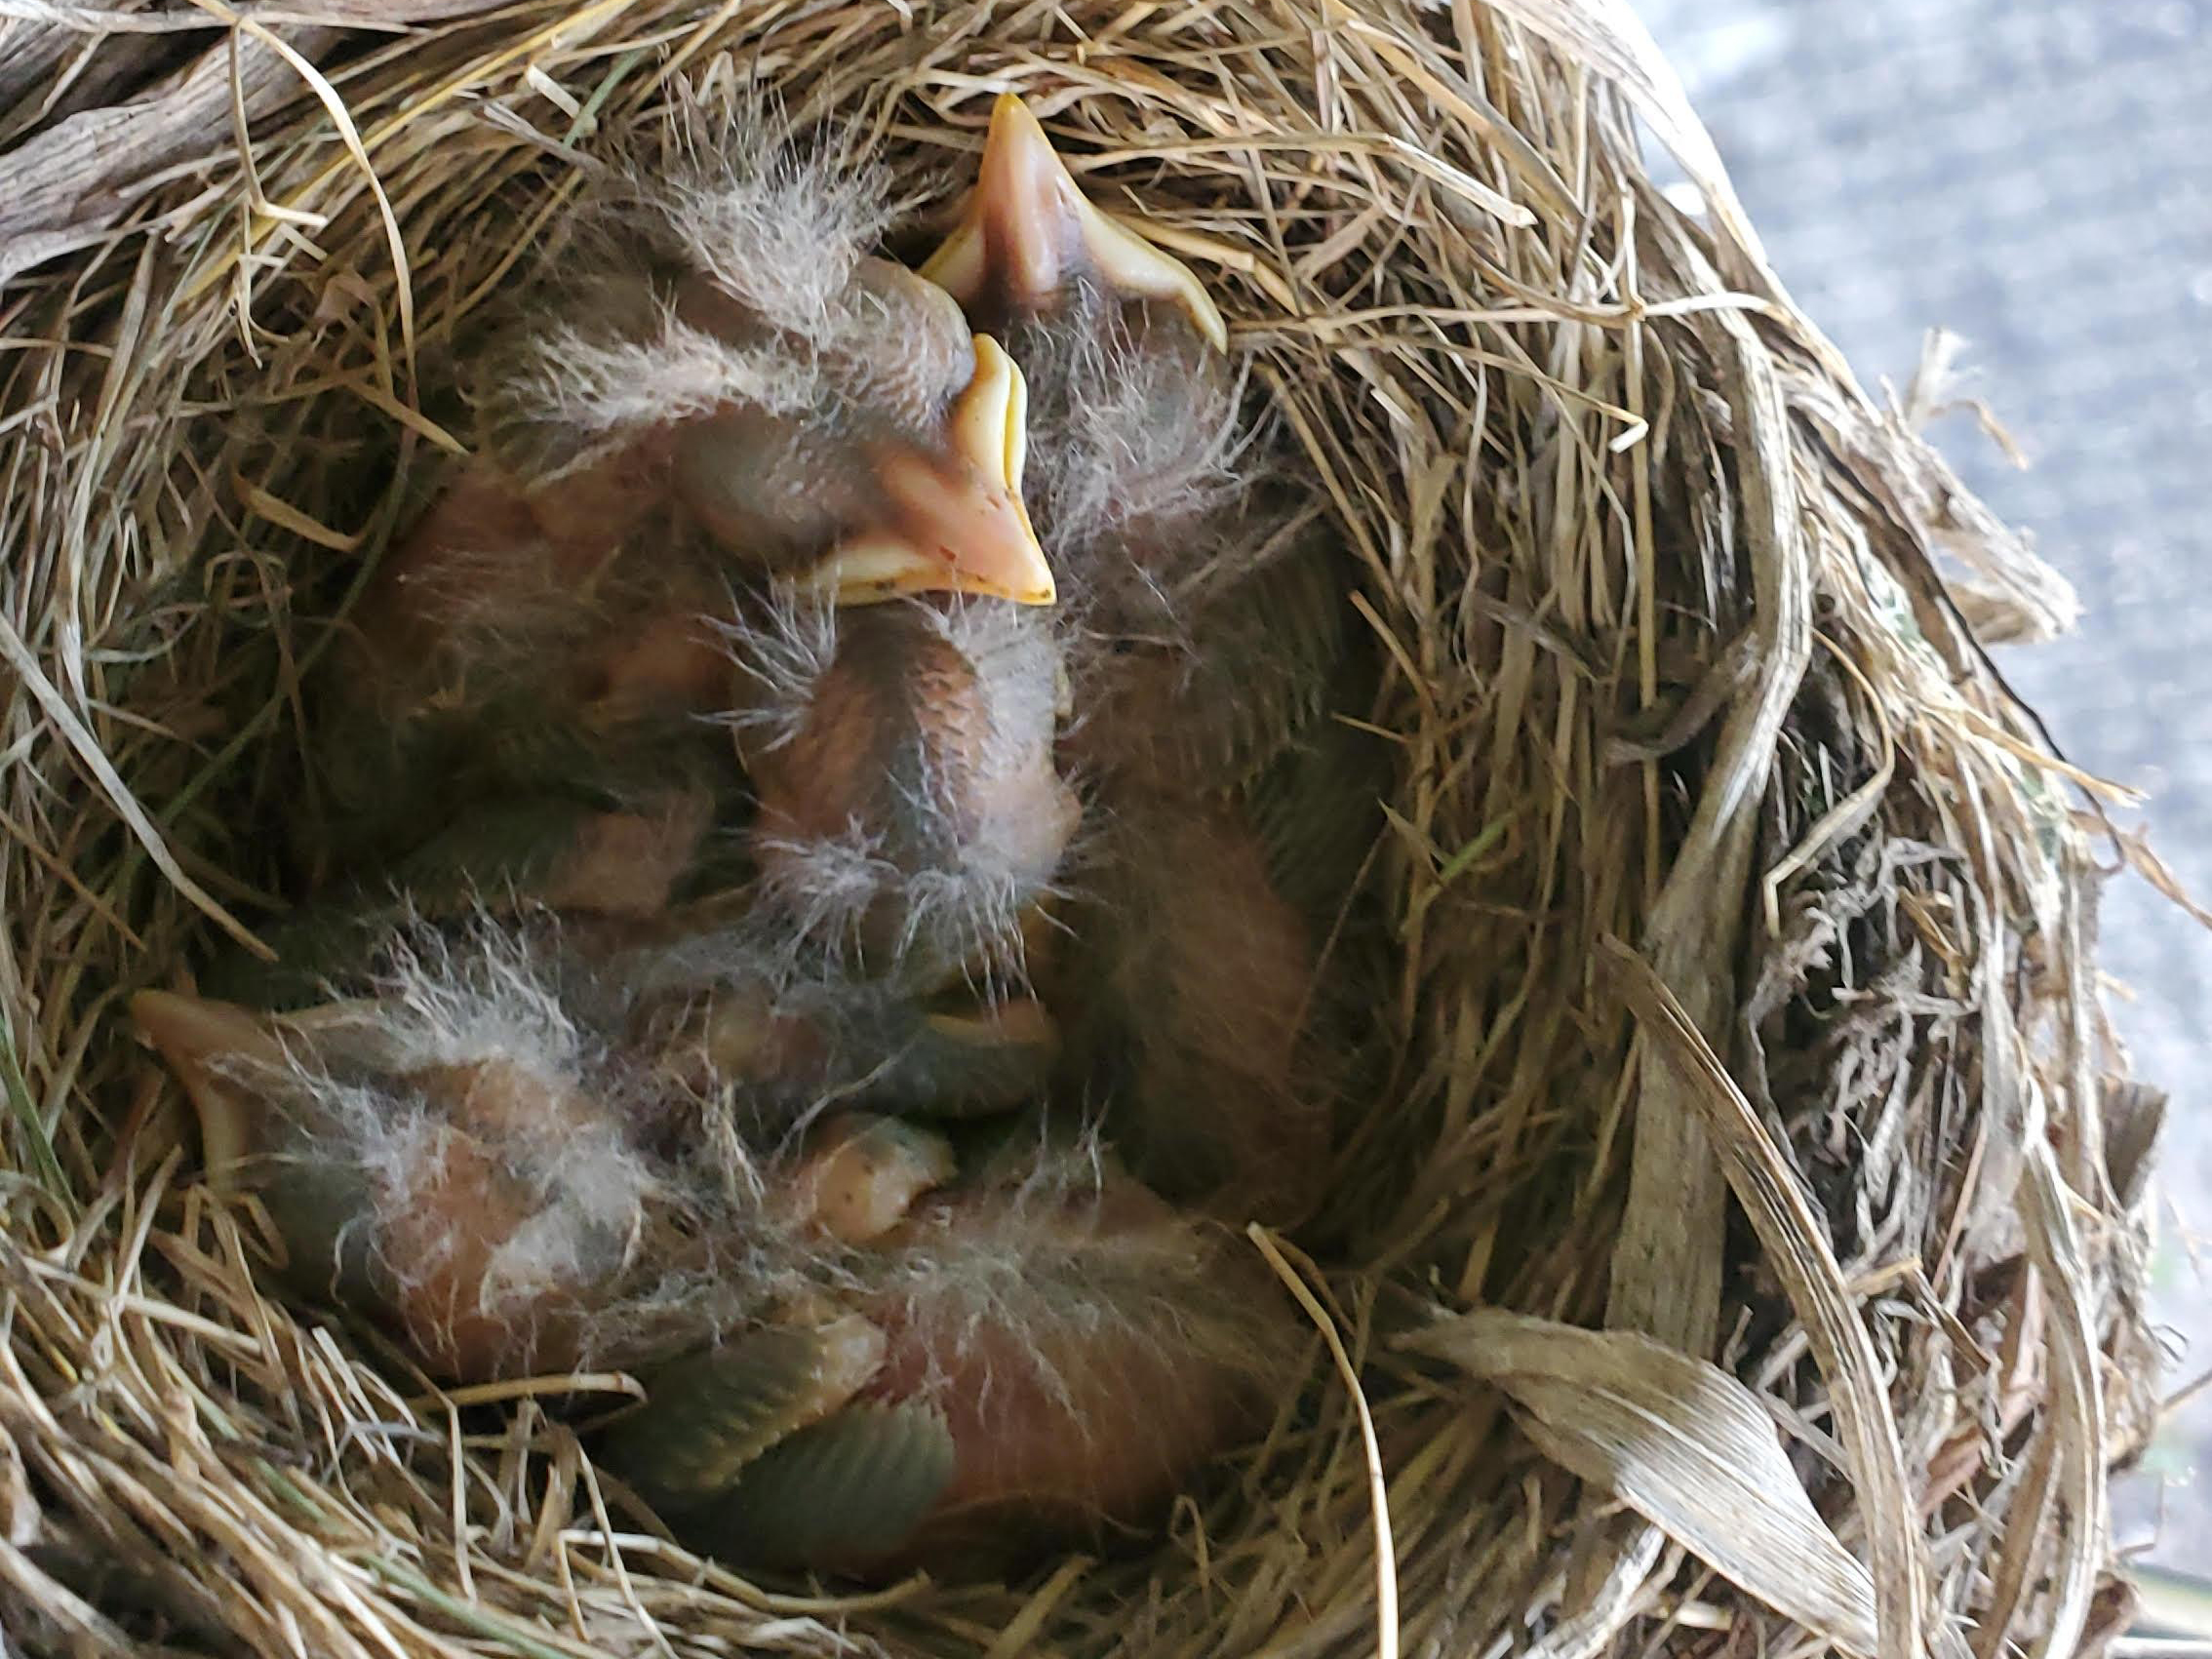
<point>2035,174</point>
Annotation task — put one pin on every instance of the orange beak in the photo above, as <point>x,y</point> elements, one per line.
<point>1030,231</point>
<point>192,1034</point>
<point>954,522</point>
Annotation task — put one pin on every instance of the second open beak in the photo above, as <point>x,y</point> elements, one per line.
<point>1029,232</point>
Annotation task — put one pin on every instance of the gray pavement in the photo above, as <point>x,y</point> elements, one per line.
<point>2036,175</point>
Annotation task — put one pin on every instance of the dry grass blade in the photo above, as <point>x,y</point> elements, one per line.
<point>1798,1250</point>
<point>1682,1442</point>
<point>1379,1486</point>
<point>95,758</point>
<point>1667,1263</point>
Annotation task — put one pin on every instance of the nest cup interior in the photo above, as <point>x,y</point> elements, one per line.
<point>1739,924</point>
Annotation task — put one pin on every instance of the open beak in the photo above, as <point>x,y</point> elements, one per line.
<point>203,1041</point>
<point>954,522</point>
<point>1030,231</point>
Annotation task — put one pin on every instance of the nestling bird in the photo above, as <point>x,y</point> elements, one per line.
<point>1192,1020</point>
<point>1208,654</point>
<point>889,1367</point>
<point>466,1156</point>
<point>911,806</point>
<point>873,1363</point>
<point>719,388</point>
<point>1052,1359</point>
<point>448,1157</point>
<point>1133,417</point>
<point>1206,616</point>
<point>1032,246</point>
<point>910,824</point>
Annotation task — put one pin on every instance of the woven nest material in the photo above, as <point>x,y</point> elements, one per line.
<point>1747,1253</point>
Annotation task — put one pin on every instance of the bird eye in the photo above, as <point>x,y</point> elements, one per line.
<point>762,484</point>
<point>700,304</point>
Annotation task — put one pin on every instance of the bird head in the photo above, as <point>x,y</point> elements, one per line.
<point>435,1164</point>
<point>1030,239</point>
<point>890,464</point>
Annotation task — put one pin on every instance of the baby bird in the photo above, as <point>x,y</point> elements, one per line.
<point>1192,1018</point>
<point>911,806</point>
<point>1052,1357</point>
<point>1206,600</point>
<point>721,389</point>
<point>445,1157</point>
<point>1208,652</point>
<point>1032,244</point>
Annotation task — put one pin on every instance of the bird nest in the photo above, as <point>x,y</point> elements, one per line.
<point>1740,1251</point>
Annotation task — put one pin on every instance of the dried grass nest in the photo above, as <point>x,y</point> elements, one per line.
<point>1749,1255</point>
